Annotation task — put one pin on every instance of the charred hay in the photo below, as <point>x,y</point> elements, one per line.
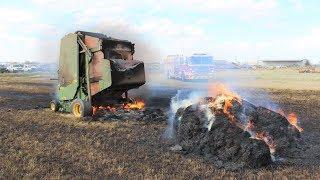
<point>145,115</point>
<point>229,144</point>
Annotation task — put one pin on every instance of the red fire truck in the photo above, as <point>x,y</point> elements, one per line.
<point>195,67</point>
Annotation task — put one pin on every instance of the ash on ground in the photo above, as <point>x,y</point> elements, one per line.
<point>145,115</point>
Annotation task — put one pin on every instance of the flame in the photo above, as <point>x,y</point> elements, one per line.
<point>95,109</point>
<point>264,136</point>
<point>293,120</point>
<point>249,127</point>
<point>224,100</point>
<point>216,89</point>
<point>226,109</point>
<point>139,104</point>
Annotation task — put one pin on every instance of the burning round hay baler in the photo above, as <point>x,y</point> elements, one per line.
<point>233,133</point>
<point>95,71</point>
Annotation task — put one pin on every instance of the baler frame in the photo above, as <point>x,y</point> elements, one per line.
<point>76,95</point>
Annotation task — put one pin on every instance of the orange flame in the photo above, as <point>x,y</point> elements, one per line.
<point>264,136</point>
<point>216,89</point>
<point>224,100</point>
<point>249,126</point>
<point>139,104</point>
<point>293,120</point>
<point>225,95</point>
<point>226,109</point>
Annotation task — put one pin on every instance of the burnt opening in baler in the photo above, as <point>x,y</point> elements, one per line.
<point>125,72</point>
<point>115,49</point>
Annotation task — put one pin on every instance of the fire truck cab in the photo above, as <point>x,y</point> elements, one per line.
<point>195,67</point>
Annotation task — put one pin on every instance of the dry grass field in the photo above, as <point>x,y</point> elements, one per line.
<point>36,142</point>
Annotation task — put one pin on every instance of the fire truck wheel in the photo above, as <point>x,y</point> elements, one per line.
<point>54,105</point>
<point>80,108</point>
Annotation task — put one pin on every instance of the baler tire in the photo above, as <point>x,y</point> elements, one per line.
<point>80,108</point>
<point>54,105</point>
<point>88,111</point>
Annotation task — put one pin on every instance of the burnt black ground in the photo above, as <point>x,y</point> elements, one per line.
<point>40,143</point>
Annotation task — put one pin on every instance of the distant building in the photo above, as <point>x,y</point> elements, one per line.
<point>284,63</point>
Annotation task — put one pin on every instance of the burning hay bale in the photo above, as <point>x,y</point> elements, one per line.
<point>223,143</point>
<point>233,133</point>
<point>284,134</point>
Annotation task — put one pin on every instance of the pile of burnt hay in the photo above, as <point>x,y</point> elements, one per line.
<point>234,137</point>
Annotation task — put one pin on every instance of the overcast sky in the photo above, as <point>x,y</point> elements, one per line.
<point>242,30</point>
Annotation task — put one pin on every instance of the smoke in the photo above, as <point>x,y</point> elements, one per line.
<point>230,85</point>
<point>209,115</point>
<point>145,49</point>
<point>182,99</point>
<point>244,86</point>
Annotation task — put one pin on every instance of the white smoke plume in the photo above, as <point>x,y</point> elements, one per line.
<point>179,101</point>
<point>145,49</point>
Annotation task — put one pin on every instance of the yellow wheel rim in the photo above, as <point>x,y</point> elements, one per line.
<point>77,110</point>
<point>52,107</point>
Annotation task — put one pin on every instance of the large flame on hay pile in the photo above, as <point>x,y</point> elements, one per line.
<point>136,105</point>
<point>224,97</point>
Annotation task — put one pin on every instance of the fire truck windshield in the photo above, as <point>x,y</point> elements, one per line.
<point>200,60</point>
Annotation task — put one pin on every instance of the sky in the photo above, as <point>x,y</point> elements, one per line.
<point>233,30</point>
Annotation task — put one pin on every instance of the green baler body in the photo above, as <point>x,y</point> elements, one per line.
<point>87,72</point>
